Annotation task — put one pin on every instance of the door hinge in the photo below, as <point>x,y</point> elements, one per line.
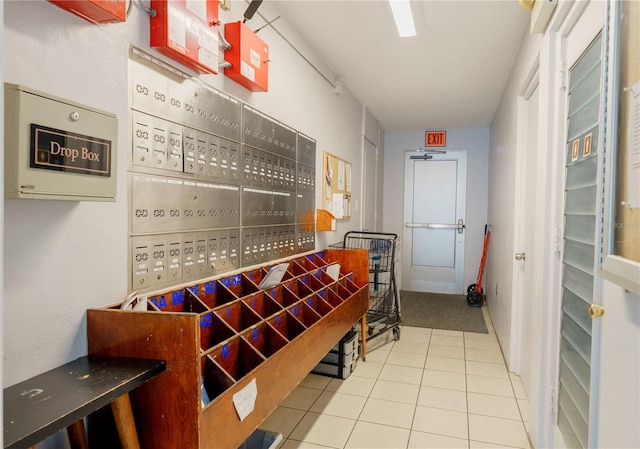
<point>556,239</point>
<point>553,392</point>
<point>563,78</point>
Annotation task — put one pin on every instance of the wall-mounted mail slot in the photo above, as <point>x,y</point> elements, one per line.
<point>57,149</point>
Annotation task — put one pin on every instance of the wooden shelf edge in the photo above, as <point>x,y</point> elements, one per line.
<point>325,220</point>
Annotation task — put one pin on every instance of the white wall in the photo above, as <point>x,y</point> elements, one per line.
<point>619,383</point>
<point>502,197</point>
<point>62,257</point>
<point>617,391</point>
<point>381,183</point>
<point>476,141</point>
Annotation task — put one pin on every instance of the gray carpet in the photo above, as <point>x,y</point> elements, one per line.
<point>438,311</point>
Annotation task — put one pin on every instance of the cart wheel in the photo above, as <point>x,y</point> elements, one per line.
<point>396,333</point>
<point>475,299</point>
<point>472,288</point>
<point>370,330</point>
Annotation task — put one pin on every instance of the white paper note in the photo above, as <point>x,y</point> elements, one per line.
<point>334,271</point>
<point>274,276</point>
<point>338,205</point>
<point>245,399</point>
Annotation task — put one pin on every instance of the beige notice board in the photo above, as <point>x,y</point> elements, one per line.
<point>336,185</point>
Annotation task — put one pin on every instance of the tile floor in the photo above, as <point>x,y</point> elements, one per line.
<point>431,389</point>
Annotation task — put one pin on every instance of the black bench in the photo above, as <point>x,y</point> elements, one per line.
<point>62,397</point>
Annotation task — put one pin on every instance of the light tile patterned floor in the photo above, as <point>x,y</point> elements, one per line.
<point>430,389</point>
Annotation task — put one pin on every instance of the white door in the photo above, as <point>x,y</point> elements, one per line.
<point>434,216</point>
<point>579,255</point>
<point>527,289</point>
<point>370,155</point>
<point>577,374</point>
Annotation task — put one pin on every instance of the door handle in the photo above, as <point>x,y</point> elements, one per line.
<point>595,311</point>
<point>520,256</point>
<point>459,226</point>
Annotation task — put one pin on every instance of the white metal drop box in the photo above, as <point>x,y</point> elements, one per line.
<point>57,149</point>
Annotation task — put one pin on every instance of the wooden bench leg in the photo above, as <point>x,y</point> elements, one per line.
<point>77,435</point>
<point>363,331</point>
<point>123,416</point>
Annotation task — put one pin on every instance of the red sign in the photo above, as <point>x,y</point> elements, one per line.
<point>435,138</point>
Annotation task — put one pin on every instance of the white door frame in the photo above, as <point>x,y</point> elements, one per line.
<point>534,265</point>
<point>531,83</point>
<point>369,198</point>
<point>552,132</point>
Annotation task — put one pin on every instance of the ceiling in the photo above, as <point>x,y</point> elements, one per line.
<point>451,75</point>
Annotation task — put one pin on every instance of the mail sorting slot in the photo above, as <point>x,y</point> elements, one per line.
<point>322,275</point>
<point>238,315</point>
<point>237,357</point>
<point>288,325</point>
<point>318,304</point>
<point>302,265</point>
<point>265,339</point>
<point>178,301</point>
<point>227,364</point>
<point>283,296</point>
<point>348,284</point>
<point>241,286</point>
<point>257,275</point>
<point>298,287</point>
<point>213,330</point>
<point>212,293</point>
<point>331,296</point>
<point>262,304</point>
<point>305,314</point>
<point>317,282</point>
<point>340,290</point>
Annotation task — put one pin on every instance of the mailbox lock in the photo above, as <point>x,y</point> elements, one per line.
<point>74,116</point>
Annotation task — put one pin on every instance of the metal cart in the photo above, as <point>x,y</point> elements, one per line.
<point>384,310</point>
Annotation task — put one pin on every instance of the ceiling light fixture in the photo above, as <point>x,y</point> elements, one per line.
<point>401,10</point>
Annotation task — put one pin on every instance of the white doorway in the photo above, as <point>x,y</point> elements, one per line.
<point>527,292</point>
<point>434,217</point>
<point>370,172</point>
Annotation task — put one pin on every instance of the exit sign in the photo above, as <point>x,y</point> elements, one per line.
<point>435,138</point>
